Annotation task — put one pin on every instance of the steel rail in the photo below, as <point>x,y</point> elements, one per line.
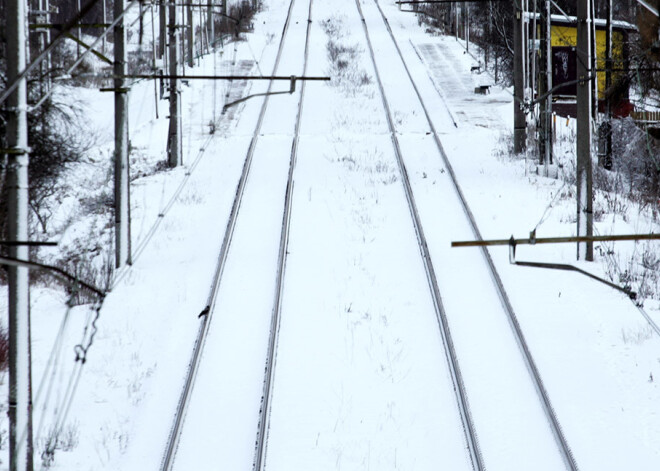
<point>555,426</point>
<point>469,429</point>
<point>269,375</point>
<point>207,312</point>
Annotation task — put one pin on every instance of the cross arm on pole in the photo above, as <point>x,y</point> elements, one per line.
<point>29,243</point>
<point>211,77</point>
<point>532,240</point>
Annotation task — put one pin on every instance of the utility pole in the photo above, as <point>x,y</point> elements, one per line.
<point>43,38</point>
<point>162,22</point>
<point>605,137</point>
<point>545,84</point>
<point>78,29</point>
<point>174,134</point>
<point>122,223</point>
<point>210,27</point>
<point>225,19</point>
<point>190,34</point>
<point>467,26</point>
<point>20,387</point>
<point>104,21</point>
<point>585,250</point>
<point>519,119</point>
<point>594,63</point>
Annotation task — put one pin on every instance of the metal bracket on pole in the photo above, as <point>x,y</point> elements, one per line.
<point>89,48</point>
<point>533,240</point>
<point>555,240</point>
<point>562,266</point>
<point>292,88</point>
<point>16,151</point>
<point>56,271</point>
<point>29,243</point>
<point>115,90</point>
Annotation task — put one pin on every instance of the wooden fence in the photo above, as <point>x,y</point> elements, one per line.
<point>646,116</point>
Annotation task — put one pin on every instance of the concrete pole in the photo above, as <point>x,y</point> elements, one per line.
<point>162,22</point>
<point>190,34</point>
<point>47,60</point>
<point>174,135</point>
<point>20,394</point>
<point>42,17</point>
<point>210,27</point>
<point>78,28</point>
<point>104,20</point>
<point>607,163</point>
<point>141,23</point>
<point>585,250</point>
<point>122,240</point>
<point>225,20</point>
<point>545,84</point>
<point>467,26</point>
<point>594,64</point>
<point>519,120</point>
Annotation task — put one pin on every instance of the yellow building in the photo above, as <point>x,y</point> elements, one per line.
<point>564,41</point>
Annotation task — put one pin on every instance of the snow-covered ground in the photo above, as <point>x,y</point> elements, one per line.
<point>361,381</point>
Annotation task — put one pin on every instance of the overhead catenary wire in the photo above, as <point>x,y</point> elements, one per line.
<point>80,349</point>
<point>47,383</point>
<point>47,50</point>
<point>84,54</point>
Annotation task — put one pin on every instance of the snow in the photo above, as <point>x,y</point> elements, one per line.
<point>361,380</point>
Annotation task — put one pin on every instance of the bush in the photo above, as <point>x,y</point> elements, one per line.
<point>344,59</point>
<point>240,18</point>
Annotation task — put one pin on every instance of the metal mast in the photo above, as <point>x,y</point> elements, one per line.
<point>519,120</point>
<point>190,34</point>
<point>122,240</point>
<point>174,135</point>
<point>585,250</point>
<point>545,84</point>
<point>20,394</point>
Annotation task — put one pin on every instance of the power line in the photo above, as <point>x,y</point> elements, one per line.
<point>66,28</point>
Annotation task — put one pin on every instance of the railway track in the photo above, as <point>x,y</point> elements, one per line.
<point>469,424</point>
<point>206,315</point>
<point>264,410</point>
<point>452,359</point>
<point>472,440</point>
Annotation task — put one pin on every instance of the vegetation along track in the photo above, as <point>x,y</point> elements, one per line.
<point>461,393</point>
<point>264,412</point>
<point>206,316</point>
